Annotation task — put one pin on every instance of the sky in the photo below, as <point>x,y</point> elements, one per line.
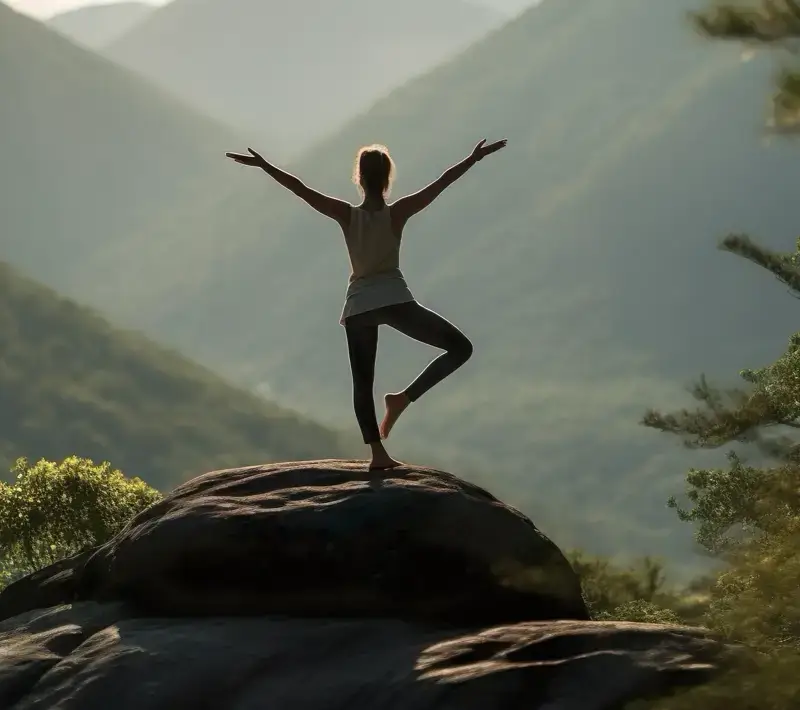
<point>46,8</point>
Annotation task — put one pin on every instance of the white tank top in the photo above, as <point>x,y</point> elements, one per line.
<point>374,250</point>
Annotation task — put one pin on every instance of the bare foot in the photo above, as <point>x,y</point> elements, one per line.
<point>395,405</point>
<point>383,463</point>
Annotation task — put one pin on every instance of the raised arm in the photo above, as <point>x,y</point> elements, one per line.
<point>407,207</point>
<point>332,207</point>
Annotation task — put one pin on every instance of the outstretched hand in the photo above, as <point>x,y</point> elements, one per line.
<point>253,160</point>
<point>482,150</point>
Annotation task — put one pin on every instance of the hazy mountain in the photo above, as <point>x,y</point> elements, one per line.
<point>581,261</point>
<point>72,384</point>
<point>92,150</point>
<point>290,72</point>
<point>512,7</point>
<point>95,26</point>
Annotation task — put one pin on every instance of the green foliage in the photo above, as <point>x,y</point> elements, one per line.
<point>642,612</point>
<point>56,510</point>
<point>756,600</point>
<point>770,400</point>
<point>732,504</point>
<point>755,603</point>
<point>765,21</point>
<point>633,593</point>
<point>749,516</point>
<point>762,22</point>
<point>73,384</point>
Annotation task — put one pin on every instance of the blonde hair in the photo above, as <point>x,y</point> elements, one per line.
<point>374,170</point>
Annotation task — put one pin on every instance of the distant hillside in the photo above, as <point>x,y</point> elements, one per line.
<point>581,261</point>
<point>72,384</point>
<point>91,150</point>
<point>512,7</point>
<point>290,72</point>
<point>96,26</point>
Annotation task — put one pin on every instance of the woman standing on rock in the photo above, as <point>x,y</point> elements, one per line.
<point>377,293</point>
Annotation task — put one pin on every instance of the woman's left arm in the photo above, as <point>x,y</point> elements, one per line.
<point>332,207</point>
<point>406,207</point>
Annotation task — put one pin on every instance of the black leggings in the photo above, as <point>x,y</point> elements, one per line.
<point>416,322</point>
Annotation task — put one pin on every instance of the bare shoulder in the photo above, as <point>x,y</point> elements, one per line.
<point>345,216</point>
<point>400,208</point>
<point>398,205</point>
<point>398,215</point>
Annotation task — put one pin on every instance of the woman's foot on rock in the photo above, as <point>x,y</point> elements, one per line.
<point>383,463</point>
<point>395,404</point>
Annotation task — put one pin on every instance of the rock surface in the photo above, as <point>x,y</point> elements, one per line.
<point>322,539</point>
<point>96,656</point>
<point>317,585</point>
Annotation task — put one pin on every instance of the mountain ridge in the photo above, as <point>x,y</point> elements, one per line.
<point>291,73</point>
<point>96,26</point>
<point>73,384</point>
<point>96,151</point>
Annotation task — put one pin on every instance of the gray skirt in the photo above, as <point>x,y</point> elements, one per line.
<point>371,292</point>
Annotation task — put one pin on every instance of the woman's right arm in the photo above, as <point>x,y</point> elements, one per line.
<point>336,209</point>
<point>407,207</point>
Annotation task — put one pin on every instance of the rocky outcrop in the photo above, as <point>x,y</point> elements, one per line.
<point>318,585</point>
<point>95,657</point>
<point>322,539</point>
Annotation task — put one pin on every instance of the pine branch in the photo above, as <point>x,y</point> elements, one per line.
<point>786,103</point>
<point>783,266</point>
<point>769,22</point>
<point>726,417</point>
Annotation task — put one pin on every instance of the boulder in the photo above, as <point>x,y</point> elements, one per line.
<point>319,585</point>
<point>91,656</point>
<point>322,539</point>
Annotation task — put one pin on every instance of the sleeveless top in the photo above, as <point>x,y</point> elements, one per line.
<point>374,249</point>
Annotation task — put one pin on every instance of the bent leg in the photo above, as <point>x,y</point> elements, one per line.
<point>426,326</point>
<point>362,347</point>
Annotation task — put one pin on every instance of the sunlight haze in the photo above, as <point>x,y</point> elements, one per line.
<point>44,9</point>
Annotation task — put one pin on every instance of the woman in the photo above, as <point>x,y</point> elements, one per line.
<point>377,293</point>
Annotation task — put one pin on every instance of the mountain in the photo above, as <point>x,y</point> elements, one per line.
<point>93,151</point>
<point>581,261</point>
<point>96,26</point>
<point>510,7</point>
<point>290,72</point>
<point>72,384</point>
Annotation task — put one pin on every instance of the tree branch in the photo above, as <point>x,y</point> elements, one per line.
<point>774,21</point>
<point>771,22</point>
<point>784,267</point>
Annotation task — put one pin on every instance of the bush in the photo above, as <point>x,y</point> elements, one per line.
<point>609,588</point>
<point>641,611</point>
<point>56,510</point>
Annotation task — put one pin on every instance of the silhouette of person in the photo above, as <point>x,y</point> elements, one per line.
<point>377,292</point>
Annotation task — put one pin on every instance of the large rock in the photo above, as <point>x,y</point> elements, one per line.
<point>318,585</point>
<point>323,539</point>
<point>95,657</point>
